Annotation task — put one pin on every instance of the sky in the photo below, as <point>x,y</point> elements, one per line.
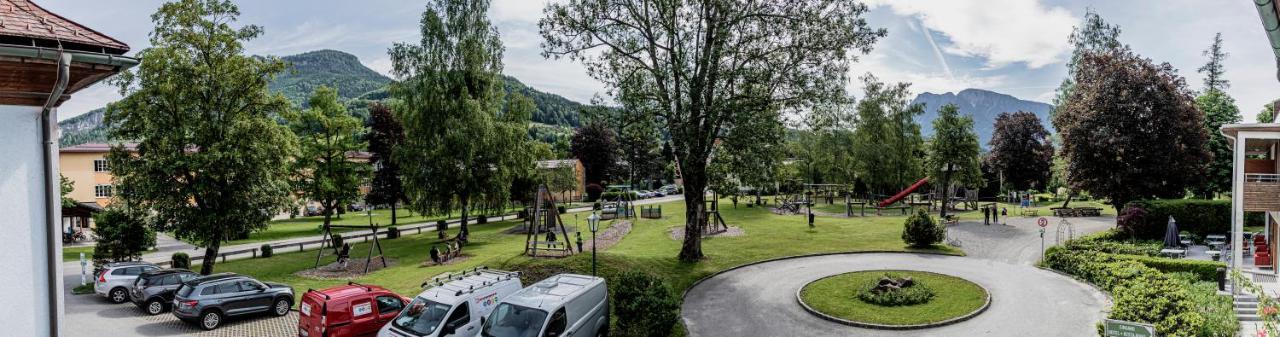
<point>1017,47</point>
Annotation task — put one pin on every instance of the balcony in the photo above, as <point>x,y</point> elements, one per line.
<point>1261,192</point>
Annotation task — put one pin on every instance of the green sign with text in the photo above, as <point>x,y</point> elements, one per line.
<point>1115,328</point>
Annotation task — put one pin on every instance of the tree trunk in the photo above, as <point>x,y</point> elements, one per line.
<point>393,214</point>
<point>211,251</point>
<point>328,218</point>
<point>1070,194</point>
<point>946,189</point>
<point>695,204</point>
<point>462,225</point>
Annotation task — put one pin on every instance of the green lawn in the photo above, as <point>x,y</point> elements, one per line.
<point>73,253</point>
<point>310,226</point>
<point>837,296</point>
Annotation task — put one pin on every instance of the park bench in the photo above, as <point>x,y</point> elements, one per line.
<point>1088,211</point>
<point>1030,212</point>
<point>1063,212</point>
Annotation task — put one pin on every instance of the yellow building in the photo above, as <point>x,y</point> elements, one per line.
<point>86,166</point>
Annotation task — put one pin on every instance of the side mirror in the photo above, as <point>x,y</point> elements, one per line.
<point>481,321</point>
<point>448,329</point>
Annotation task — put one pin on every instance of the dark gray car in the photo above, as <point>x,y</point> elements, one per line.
<point>153,290</point>
<point>207,301</point>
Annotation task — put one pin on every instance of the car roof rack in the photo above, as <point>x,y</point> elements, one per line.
<point>366,288</point>
<point>477,277</point>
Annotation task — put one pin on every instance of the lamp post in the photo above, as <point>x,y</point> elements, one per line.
<point>594,222</point>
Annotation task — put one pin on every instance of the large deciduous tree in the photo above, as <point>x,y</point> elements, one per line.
<point>704,67</point>
<point>1094,35</point>
<point>461,150</point>
<point>1268,113</point>
<point>954,153</point>
<point>211,161</point>
<point>1021,152</point>
<point>887,145</point>
<point>1219,109</point>
<point>1130,129</point>
<point>384,137</point>
<point>596,146</point>
<point>327,134</point>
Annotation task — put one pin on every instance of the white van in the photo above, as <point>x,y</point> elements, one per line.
<point>564,305</point>
<point>455,305</point>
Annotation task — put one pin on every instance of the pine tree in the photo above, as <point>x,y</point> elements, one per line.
<point>1214,71</point>
<point>1219,109</point>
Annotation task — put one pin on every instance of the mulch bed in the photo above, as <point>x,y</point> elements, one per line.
<point>355,268</point>
<point>608,237</point>
<point>677,233</point>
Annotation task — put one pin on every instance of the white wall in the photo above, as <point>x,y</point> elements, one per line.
<point>24,305</point>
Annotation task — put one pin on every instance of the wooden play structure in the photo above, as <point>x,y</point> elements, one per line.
<point>712,222</point>
<point>344,252</point>
<point>620,206</point>
<point>541,237</point>
<point>651,212</point>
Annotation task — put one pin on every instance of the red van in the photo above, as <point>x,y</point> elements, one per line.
<point>347,311</point>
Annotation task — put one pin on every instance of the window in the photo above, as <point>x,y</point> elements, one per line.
<point>120,271</point>
<point>100,165</point>
<point>460,316</point>
<point>389,304</point>
<point>249,286</point>
<point>102,191</point>
<point>557,324</point>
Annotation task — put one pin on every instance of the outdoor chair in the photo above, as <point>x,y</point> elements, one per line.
<point>1261,258</point>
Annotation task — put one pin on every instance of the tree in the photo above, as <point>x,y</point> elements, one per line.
<point>327,133</point>
<point>1219,109</point>
<point>211,161</point>
<point>1021,152</point>
<point>887,145</point>
<point>384,137</point>
<point>1268,114</point>
<point>954,152</point>
<point>65,186</point>
<point>1130,129</point>
<point>461,150</point>
<point>121,236</point>
<point>1214,71</point>
<point>707,66</point>
<point>1096,35</point>
<point>596,146</point>
<point>639,147</point>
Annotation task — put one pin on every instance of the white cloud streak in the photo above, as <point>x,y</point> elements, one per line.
<point>1001,31</point>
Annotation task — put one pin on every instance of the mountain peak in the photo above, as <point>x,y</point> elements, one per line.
<point>983,105</point>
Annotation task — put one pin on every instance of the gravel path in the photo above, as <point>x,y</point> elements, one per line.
<point>759,300</point>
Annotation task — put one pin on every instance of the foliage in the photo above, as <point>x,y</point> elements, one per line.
<point>211,163</point>
<point>309,71</point>
<point>1268,113</point>
<point>594,191</point>
<point>384,137</point>
<point>66,186</point>
<point>645,305</point>
<point>122,236</point>
<point>921,231</point>
<point>1267,305</point>
<point>1219,109</point>
<point>461,151</point>
<point>180,260</point>
<point>1096,36</point>
<point>892,155</point>
<point>596,146</point>
<point>266,250</point>
<point>953,152</point>
<point>1199,217</point>
<point>742,63</point>
<point>1130,129</point>
<point>1021,151</point>
<point>551,109</point>
<point>1214,71</point>
<point>326,135</point>
<point>915,294</point>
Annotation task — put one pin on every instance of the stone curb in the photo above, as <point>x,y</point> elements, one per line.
<point>955,320</point>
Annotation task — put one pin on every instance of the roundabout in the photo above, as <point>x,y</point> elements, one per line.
<point>861,299</point>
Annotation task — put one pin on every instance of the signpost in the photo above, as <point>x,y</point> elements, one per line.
<point>1117,328</point>
<point>83,263</point>
<point>1042,222</point>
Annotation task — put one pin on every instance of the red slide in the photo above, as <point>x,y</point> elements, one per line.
<point>904,193</point>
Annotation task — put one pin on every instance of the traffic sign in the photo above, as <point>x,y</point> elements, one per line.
<point>1117,328</point>
<point>1043,222</point>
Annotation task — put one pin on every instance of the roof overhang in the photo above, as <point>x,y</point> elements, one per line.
<point>28,74</point>
<point>1270,14</point>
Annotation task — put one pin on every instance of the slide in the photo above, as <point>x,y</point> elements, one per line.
<point>904,193</point>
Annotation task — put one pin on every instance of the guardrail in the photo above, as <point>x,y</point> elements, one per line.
<point>1262,178</point>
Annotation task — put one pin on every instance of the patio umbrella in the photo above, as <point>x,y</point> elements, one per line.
<point>1171,234</point>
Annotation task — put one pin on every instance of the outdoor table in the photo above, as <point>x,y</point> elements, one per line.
<point>1174,252</point>
<point>1218,237</point>
<point>1214,254</point>
<point>1185,242</point>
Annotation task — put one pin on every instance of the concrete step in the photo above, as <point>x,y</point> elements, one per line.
<point>1249,318</point>
<point>1246,311</point>
<point>1246,305</point>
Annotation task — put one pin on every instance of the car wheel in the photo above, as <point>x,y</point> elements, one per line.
<point>118,295</point>
<point>154,307</point>
<point>282,307</point>
<point>210,320</point>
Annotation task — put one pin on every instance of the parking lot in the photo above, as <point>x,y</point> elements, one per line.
<point>93,315</point>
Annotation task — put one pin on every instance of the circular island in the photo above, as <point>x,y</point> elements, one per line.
<point>894,299</point>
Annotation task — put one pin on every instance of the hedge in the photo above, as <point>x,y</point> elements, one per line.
<point>1199,217</point>
<point>613,196</point>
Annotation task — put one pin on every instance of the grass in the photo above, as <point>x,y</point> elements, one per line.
<point>310,226</point>
<point>837,296</point>
<point>82,289</point>
<point>73,253</point>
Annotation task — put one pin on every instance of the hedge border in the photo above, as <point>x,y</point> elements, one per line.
<point>954,320</point>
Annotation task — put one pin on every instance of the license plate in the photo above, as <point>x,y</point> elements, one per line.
<point>306,309</point>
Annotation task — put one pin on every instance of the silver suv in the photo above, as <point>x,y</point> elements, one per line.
<point>114,279</point>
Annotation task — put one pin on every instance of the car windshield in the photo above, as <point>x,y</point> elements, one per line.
<point>510,320</point>
<point>422,317</point>
<point>184,290</point>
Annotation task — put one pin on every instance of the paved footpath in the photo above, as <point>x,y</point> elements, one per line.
<point>1026,301</point>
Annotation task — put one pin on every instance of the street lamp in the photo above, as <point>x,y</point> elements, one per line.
<point>594,222</point>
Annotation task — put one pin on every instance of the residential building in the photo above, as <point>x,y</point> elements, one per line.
<point>579,175</point>
<point>44,60</point>
<point>85,165</point>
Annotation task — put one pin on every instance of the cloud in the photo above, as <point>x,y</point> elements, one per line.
<point>1001,31</point>
<point>884,67</point>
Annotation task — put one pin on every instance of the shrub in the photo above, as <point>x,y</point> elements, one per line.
<point>180,260</point>
<point>336,239</point>
<point>921,231</point>
<point>1200,217</point>
<point>610,196</point>
<point>645,305</point>
<point>593,191</point>
<point>483,219</point>
<point>393,233</point>
<point>267,250</point>
<point>915,294</point>
<point>122,236</point>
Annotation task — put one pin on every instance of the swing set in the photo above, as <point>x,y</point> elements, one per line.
<point>344,252</point>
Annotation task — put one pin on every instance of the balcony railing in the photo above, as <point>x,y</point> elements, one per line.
<point>1262,178</point>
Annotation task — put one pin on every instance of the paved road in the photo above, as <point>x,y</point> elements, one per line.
<point>1026,301</point>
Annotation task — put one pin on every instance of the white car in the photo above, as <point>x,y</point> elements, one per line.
<point>454,305</point>
<point>116,278</point>
<point>565,305</point>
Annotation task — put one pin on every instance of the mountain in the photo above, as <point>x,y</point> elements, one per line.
<point>983,105</point>
<point>357,85</point>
